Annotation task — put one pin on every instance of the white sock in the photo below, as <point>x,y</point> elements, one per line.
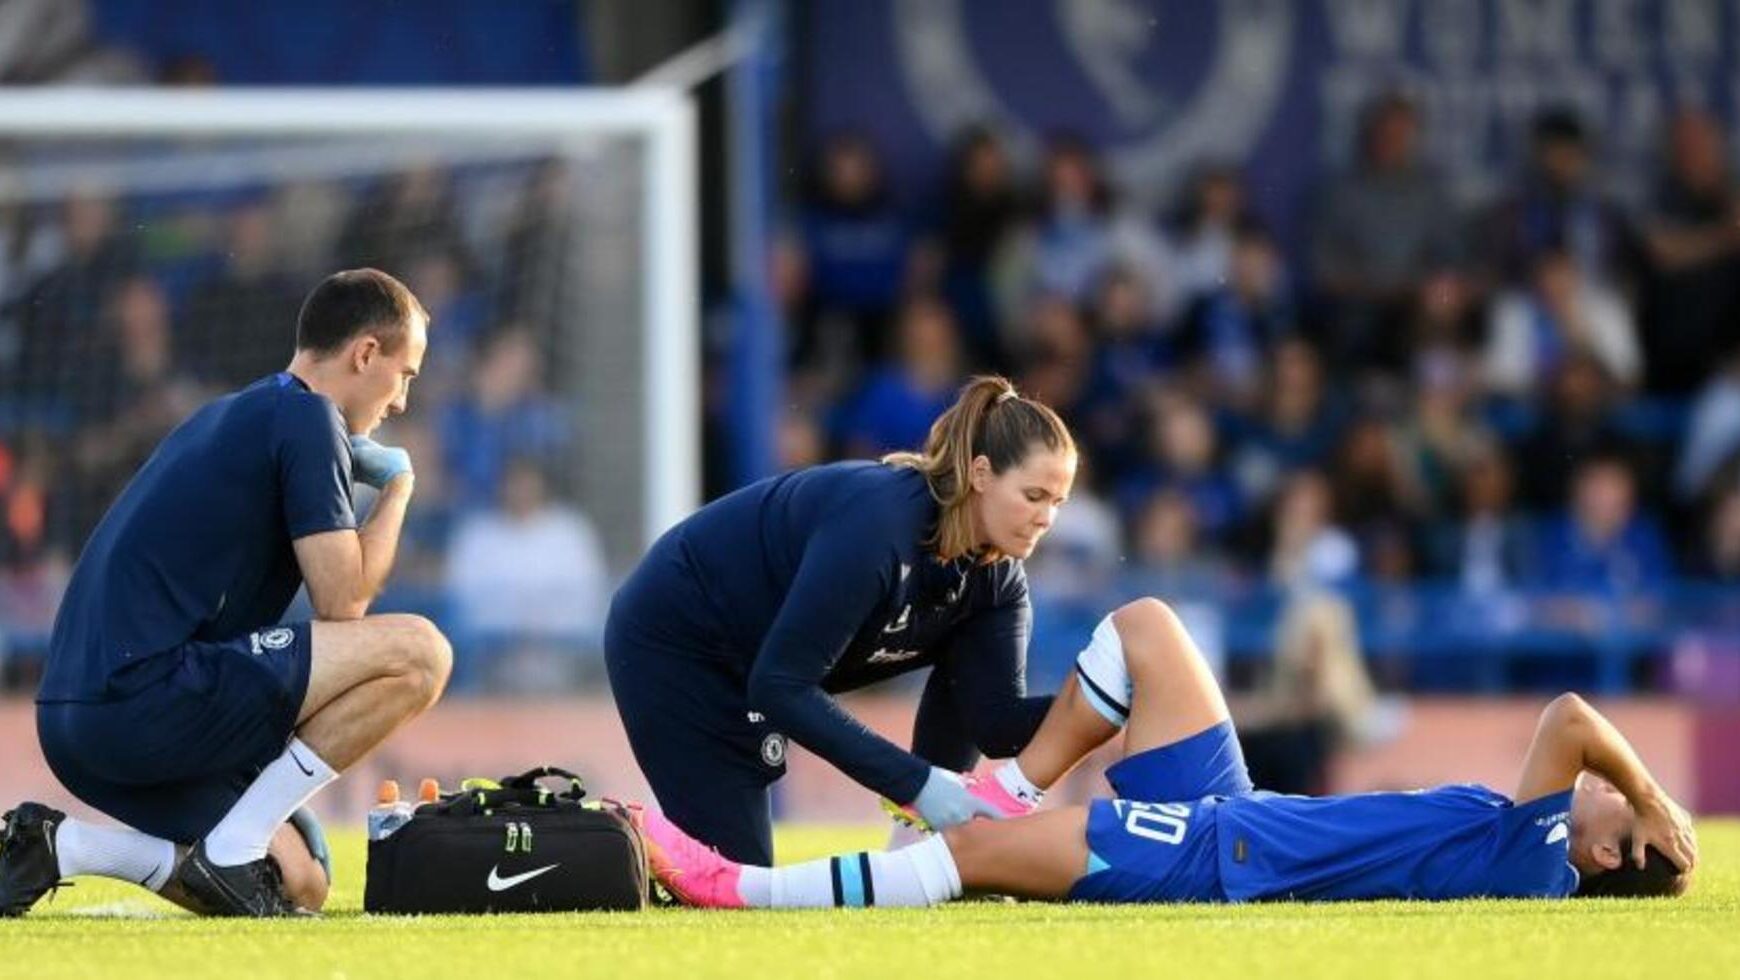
<point>1103,675</point>
<point>904,835</point>
<point>113,852</point>
<point>1016,783</point>
<point>287,783</point>
<point>923,874</point>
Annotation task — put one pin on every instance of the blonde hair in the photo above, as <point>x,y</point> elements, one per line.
<point>1317,657</point>
<point>991,419</point>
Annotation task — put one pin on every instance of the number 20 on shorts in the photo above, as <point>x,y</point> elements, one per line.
<point>1163,822</point>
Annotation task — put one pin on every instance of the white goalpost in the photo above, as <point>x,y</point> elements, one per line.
<point>624,335</point>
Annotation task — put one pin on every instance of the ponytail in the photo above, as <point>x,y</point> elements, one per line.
<point>990,419</point>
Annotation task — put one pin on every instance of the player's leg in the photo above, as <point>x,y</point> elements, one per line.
<point>306,881</point>
<point>365,678</point>
<point>43,846</point>
<point>368,677</point>
<point>1140,672</point>
<point>1039,857</point>
<point>351,685</point>
<point>198,755</point>
<point>1174,693</point>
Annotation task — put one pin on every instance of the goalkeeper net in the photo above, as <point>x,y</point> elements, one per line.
<point>154,250</point>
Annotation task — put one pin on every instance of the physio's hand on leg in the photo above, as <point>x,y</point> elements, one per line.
<point>945,801</point>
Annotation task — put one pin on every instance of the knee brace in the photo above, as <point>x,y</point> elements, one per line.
<point>1103,675</point>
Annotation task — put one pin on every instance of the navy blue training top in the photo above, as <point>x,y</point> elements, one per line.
<point>817,581</point>
<point>198,545</point>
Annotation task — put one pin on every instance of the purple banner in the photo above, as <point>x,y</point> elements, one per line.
<point>1276,84</point>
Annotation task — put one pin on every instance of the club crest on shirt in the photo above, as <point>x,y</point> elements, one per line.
<point>272,639</point>
<point>773,749</point>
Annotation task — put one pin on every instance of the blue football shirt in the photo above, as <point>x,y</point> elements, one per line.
<point>198,545</point>
<point>1459,841</point>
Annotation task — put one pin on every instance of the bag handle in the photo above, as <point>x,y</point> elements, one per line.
<point>576,788</point>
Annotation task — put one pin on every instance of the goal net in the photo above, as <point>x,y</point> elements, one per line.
<point>154,249</point>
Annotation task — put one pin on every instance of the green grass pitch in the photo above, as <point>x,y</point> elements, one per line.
<point>96,929</point>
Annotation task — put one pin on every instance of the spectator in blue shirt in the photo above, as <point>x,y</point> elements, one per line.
<point>1602,544</point>
<point>1230,330</point>
<point>1560,205</point>
<point>1488,548</point>
<point>899,400</point>
<point>980,206</point>
<point>506,414</point>
<point>1299,423</point>
<point>852,250</point>
<point>1130,357</point>
<point>1184,459</point>
<point>1079,232</point>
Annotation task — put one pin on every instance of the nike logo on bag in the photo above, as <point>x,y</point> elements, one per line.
<point>499,884</point>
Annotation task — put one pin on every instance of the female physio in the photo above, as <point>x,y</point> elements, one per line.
<point>741,622</point>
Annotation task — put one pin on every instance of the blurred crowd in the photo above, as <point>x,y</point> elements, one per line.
<point>122,313</point>
<point>1512,425</point>
<point>1533,398</point>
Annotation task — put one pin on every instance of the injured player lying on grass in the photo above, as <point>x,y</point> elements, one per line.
<point>1586,817</point>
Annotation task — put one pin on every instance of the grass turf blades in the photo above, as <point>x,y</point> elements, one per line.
<point>111,930</point>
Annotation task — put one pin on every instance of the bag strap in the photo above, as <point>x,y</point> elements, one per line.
<point>485,795</point>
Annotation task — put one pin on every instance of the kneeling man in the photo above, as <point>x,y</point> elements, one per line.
<point>174,700</point>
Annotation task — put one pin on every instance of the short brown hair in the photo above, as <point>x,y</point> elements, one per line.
<point>354,302</point>
<point>1658,878</point>
<point>990,419</point>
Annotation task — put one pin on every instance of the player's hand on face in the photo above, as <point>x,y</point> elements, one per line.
<point>945,801</point>
<point>376,465</point>
<point>1666,825</point>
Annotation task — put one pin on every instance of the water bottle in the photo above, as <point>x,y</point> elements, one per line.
<point>389,812</point>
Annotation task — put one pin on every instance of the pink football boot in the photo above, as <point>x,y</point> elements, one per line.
<point>695,873</point>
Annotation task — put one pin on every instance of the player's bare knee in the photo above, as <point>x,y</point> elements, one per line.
<point>414,649</point>
<point>439,666</point>
<point>428,657</point>
<point>1148,628</point>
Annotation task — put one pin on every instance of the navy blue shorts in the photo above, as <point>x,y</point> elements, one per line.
<point>173,756</point>
<point>707,757</point>
<point>1156,842</point>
